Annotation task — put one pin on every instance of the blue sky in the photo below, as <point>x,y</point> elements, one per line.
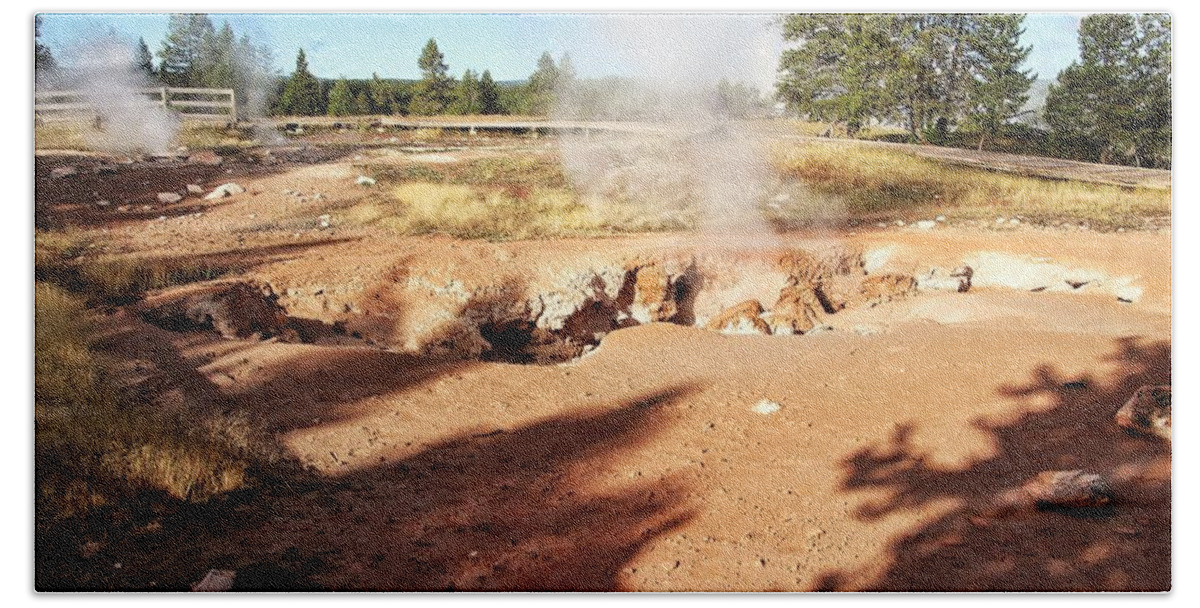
<point>355,45</point>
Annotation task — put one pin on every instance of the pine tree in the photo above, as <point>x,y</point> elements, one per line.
<point>217,68</point>
<point>145,61</point>
<point>302,93</point>
<point>1000,88</point>
<point>433,93</point>
<point>43,59</point>
<point>542,85</point>
<point>341,100</point>
<point>838,70</point>
<point>183,52</point>
<point>362,104</point>
<point>489,96</point>
<point>382,96</point>
<point>1113,105</point>
<point>466,95</point>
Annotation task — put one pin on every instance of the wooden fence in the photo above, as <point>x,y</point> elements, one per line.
<point>206,105</point>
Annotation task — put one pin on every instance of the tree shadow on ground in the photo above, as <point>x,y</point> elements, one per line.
<point>544,507</point>
<point>1126,546</point>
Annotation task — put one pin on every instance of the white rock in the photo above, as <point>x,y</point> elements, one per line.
<point>224,190</point>
<point>926,224</point>
<point>940,218</point>
<point>195,189</point>
<point>1000,220</point>
<point>1014,221</point>
<point>364,181</point>
<point>765,407</point>
<point>167,198</point>
<point>900,222</point>
<point>323,221</point>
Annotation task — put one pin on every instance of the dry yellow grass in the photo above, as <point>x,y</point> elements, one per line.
<point>79,135</point>
<point>868,181</point>
<point>496,214</point>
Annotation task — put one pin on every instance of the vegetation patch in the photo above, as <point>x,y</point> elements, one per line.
<point>869,182</point>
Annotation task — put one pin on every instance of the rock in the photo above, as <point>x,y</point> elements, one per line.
<point>233,309</point>
<point>323,221</point>
<point>940,218</point>
<point>881,288</point>
<point>1063,489</point>
<point>61,172</point>
<point>1000,220</point>
<point>195,189</point>
<point>743,318</point>
<point>102,203</point>
<point>795,312</point>
<point>106,170</point>
<point>653,295</point>
<point>926,224</point>
<point>765,407</point>
<point>167,198</point>
<point>1147,412</point>
<point>223,191</point>
<point>900,223</point>
<point>216,580</point>
<point>364,181</point>
<point>1014,221</point>
<point>206,157</point>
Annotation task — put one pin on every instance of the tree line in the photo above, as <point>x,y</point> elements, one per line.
<point>941,76</point>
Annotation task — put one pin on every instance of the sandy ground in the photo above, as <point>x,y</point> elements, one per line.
<point>645,465</point>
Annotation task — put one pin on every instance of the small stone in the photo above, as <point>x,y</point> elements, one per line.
<point>195,189</point>
<point>223,191</point>
<point>1001,220</point>
<point>765,407</point>
<point>167,198</point>
<point>102,203</point>
<point>61,172</point>
<point>364,181</point>
<point>926,224</point>
<point>1014,221</point>
<point>900,223</point>
<point>940,218</point>
<point>323,221</point>
<point>1147,412</point>
<point>216,580</point>
<point>162,218</point>
<point>1064,489</point>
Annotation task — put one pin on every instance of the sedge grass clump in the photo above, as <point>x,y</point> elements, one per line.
<point>871,181</point>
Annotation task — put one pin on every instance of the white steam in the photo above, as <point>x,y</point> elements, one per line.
<point>700,157</point>
<point>105,73</point>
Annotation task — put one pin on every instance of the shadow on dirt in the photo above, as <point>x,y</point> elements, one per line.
<point>540,507</point>
<point>1124,547</point>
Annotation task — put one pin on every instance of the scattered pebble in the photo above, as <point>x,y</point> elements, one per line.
<point>364,181</point>
<point>765,407</point>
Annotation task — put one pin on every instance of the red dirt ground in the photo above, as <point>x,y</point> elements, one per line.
<point>642,466</point>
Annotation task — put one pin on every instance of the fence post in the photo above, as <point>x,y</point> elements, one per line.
<point>233,106</point>
<point>163,91</point>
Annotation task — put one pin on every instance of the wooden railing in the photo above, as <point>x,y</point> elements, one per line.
<point>208,105</point>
